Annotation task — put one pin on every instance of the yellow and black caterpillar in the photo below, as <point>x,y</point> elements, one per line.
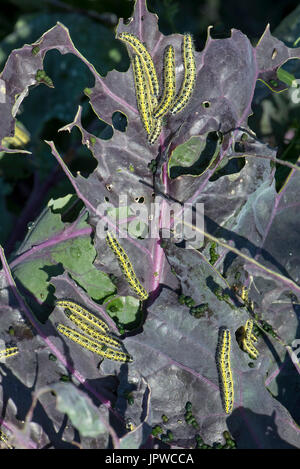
<point>246,338</point>
<point>189,77</point>
<point>98,339</point>
<point>100,349</point>
<point>151,109</point>
<point>224,367</point>
<point>126,266</point>
<point>9,352</point>
<point>142,52</point>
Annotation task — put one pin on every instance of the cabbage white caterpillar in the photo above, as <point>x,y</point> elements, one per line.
<point>146,59</point>
<point>92,331</point>
<point>142,92</point>
<point>100,349</point>
<point>9,352</point>
<point>169,88</point>
<point>248,339</point>
<point>4,438</point>
<point>126,266</point>
<point>81,312</point>
<point>189,77</point>
<point>225,373</point>
<point>156,130</point>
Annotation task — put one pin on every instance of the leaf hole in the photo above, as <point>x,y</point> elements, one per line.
<point>206,104</point>
<point>119,121</point>
<point>127,21</point>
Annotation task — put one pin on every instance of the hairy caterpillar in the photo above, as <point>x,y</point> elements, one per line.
<point>169,88</point>
<point>126,266</point>
<point>146,59</point>
<point>92,346</point>
<point>189,77</point>
<point>225,373</point>
<point>92,330</point>
<point>142,92</point>
<point>9,352</point>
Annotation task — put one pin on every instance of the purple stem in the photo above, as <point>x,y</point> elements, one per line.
<point>88,204</point>
<point>65,235</point>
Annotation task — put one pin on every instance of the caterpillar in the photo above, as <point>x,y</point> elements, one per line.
<point>81,312</point>
<point>225,373</point>
<point>243,295</point>
<point>95,347</point>
<point>248,329</point>
<point>92,331</point>
<point>169,83</point>
<point>130,426</point>
<point>4,438</point>
<point>20,138</point>
<point>156,124</point>
<point>142,92</point>
<point>248,338</point>
<point>9,352</point>
<point>146,59</point>
<point>156,130</point>
<point>189,77</point>
<point>126,266</point>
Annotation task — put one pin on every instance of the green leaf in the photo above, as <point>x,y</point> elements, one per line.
<point>285,76</point>
<point>60,203</point>
<point>125,309</point>
<point>51,247</point>
<point>194,156</point>
<point>79,408</point>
